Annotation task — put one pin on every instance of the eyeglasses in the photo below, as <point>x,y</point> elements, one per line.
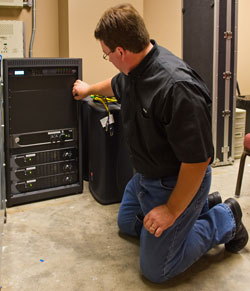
<point>105,56</point>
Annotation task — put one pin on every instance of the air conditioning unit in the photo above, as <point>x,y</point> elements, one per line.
<point>11,3</point>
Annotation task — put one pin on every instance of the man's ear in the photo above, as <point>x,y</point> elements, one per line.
<point>121,51</point>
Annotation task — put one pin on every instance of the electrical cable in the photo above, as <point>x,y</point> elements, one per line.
<point>106,100</point>
<point>1,59</point>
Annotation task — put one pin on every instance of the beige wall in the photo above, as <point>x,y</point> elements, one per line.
<point>46,43</point>
<point>83,18</point>
<point>162,17</point>
<point>63,14</point>
<point>163,20</point>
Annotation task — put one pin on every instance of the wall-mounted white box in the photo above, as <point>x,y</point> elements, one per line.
<point>11,3</point>
<point>11,39</point>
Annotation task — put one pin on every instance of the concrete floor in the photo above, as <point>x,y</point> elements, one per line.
<point>72,243</point>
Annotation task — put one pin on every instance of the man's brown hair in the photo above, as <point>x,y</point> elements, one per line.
<point>123,26</point>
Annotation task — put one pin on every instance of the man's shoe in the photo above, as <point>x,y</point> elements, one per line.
<point>213,199</point>
<point>241,236</point>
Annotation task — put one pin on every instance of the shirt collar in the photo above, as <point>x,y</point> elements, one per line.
<point>147,60</point>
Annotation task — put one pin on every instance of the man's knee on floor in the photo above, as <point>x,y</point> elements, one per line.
<point>152,274</point>
<point>124,224</point>
<point>155,271</point>
<point>129,226</point>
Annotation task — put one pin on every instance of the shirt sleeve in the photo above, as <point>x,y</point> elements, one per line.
<point>116,86</point>
<point>189,128</point>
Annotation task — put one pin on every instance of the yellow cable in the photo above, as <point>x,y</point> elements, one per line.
<point>107,98</point>
<point>104,100</point>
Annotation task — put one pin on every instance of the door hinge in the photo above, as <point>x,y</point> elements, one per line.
<point>226,113</point>
<point>227,75</point>
<point>228,35</point>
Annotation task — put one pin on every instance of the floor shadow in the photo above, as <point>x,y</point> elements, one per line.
<point>132,239</point>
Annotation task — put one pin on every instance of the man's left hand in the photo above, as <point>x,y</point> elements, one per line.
<point>158,220</point>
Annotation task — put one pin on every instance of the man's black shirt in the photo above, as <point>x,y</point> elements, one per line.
<point>166,114</point>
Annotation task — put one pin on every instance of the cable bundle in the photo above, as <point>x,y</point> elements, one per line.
<point>105,100</point>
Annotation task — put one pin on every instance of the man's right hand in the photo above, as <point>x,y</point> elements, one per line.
<point>80,90</point>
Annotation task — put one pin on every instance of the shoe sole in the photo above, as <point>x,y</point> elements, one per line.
<point>236,245</point>
<point>235,208</point>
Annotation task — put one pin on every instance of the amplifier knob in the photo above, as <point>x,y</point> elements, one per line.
<point>67,167</point>
<point>68,179</point>
<point>67,155</point>
<point>17,139</point>
<point>62,137</point>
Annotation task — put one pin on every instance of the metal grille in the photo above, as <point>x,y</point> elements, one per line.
<point>43,62</point>
<point>6,29</point>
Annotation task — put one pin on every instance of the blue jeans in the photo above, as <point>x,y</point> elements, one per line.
<point>196,231</point>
